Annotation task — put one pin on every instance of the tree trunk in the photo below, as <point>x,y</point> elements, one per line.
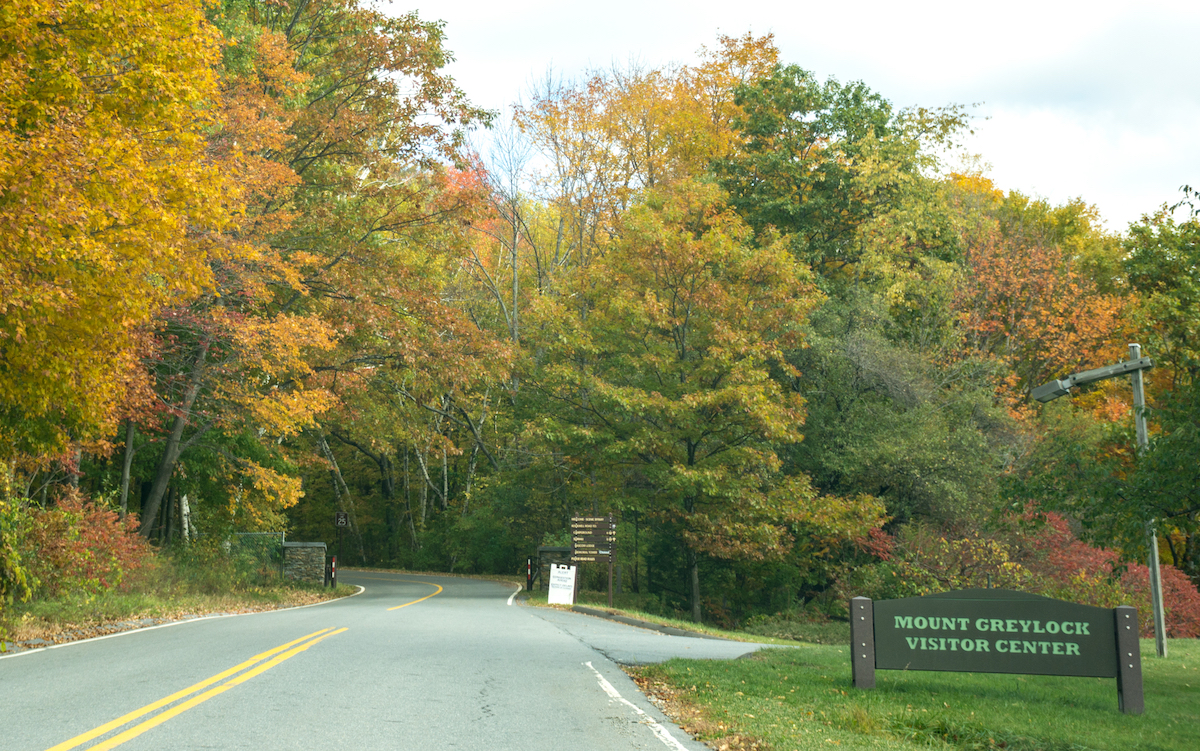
<point>185,519</point>
<point>412,523</point>
<point>340,487</point>
<point>516,331</point>
<point>125,466</point>
<point>174,443</point>
<point>424,465</point>
<point>164,534</point>
<point>470,477</point>
<point>694,571</point>
<point>636,555</point>
<point>445,482</point>
<point>76,468</point>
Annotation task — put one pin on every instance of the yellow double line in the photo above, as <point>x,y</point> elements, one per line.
<point>276,655</point>
<point>421,599</point>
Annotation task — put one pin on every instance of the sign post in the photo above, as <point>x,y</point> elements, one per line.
<point>594,538</point>
<point>997,631</point>
<point>341,519</point>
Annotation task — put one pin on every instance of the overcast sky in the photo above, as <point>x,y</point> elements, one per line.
<point>1099,100</point>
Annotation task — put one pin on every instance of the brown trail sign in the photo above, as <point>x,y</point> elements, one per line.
<point>594,540</point>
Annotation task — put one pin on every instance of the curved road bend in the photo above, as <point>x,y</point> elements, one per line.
<point>414,662</point>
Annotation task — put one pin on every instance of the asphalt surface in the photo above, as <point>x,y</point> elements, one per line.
<point>414,662</point>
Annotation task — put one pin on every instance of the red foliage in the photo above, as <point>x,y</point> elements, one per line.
<point>80,546</point>
<point>1070,563</point>
<point>877,543</point>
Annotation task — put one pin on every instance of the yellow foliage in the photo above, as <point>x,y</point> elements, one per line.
<point>108,198</point>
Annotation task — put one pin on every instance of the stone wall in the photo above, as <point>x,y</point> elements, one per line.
<point>304,561</point>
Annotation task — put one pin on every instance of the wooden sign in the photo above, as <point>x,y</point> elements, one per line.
<point>997,631</point>
<point>593,538</point>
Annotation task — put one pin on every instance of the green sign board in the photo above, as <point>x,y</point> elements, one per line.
<point>994,631</point>
<point>997,631</point>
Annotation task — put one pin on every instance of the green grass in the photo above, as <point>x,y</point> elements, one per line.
<point>802,698</point>
<point>800,626</point>
<point>628,605</point>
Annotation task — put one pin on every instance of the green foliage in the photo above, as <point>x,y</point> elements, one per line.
<point>664,381</point>
<point>924,437</point>
<point>806,143</point>
<point>14,582</point>
<point>213,566</point>
<point>1163,266</point>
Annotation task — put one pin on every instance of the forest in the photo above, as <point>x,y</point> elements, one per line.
<point>256,268</point>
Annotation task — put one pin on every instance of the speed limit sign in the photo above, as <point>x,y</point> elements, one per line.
<point>341,519</point>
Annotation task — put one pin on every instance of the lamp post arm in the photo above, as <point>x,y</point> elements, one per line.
<point>1110,371</point>
<point>1062,386</point>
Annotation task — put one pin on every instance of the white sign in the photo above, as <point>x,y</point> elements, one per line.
<point>562,585</point>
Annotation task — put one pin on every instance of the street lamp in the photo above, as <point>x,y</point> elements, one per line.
<point>1134,367</point>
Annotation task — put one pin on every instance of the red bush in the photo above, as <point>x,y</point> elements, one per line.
<point>1074,570</point>
<point>80,546</point>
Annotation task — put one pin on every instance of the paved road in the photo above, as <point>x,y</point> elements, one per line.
<point>414,662</point>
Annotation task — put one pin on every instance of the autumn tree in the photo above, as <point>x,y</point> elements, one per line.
<point>379,227</point>
<point>1102,481</point>
<point>661,385</point>
<point>1023,300</point>
<point>109,206</point>
<point>618,132</point>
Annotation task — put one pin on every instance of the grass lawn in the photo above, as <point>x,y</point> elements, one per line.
<point>632,605</point>
<point>801,698</point>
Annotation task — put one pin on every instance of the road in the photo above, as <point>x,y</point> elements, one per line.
<point>413,662</point>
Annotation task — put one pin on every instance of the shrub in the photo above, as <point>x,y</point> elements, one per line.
<point>1070,569</point>
<point>212,566</point>
<point>79,546</point>
<point>1049,561</point>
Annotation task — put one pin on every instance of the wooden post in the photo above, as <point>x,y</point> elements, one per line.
<point>610,574</point>
<point>862,642</point>
<point>1130,699</point>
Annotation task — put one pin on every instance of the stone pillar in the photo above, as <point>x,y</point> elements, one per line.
<point>304,562</point>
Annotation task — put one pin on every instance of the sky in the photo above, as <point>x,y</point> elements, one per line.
<point>1094,100</point>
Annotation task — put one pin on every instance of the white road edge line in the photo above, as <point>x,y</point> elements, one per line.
<point>361,589</point>
<point>514,594</point>
<point>659,730</point>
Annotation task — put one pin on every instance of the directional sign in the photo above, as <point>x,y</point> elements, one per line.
<point>593,538</point>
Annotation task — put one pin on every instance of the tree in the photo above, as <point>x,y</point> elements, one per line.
<point>805,144</point>
<point>660,377</point>
<point>109,205</point>
<point>1091,470</point>
<point>340,121</point>
<point>1026,305</point>
<point>897,419</point>
<point>622,131</point>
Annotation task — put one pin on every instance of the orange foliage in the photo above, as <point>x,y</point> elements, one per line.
<point>1025,305</point>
